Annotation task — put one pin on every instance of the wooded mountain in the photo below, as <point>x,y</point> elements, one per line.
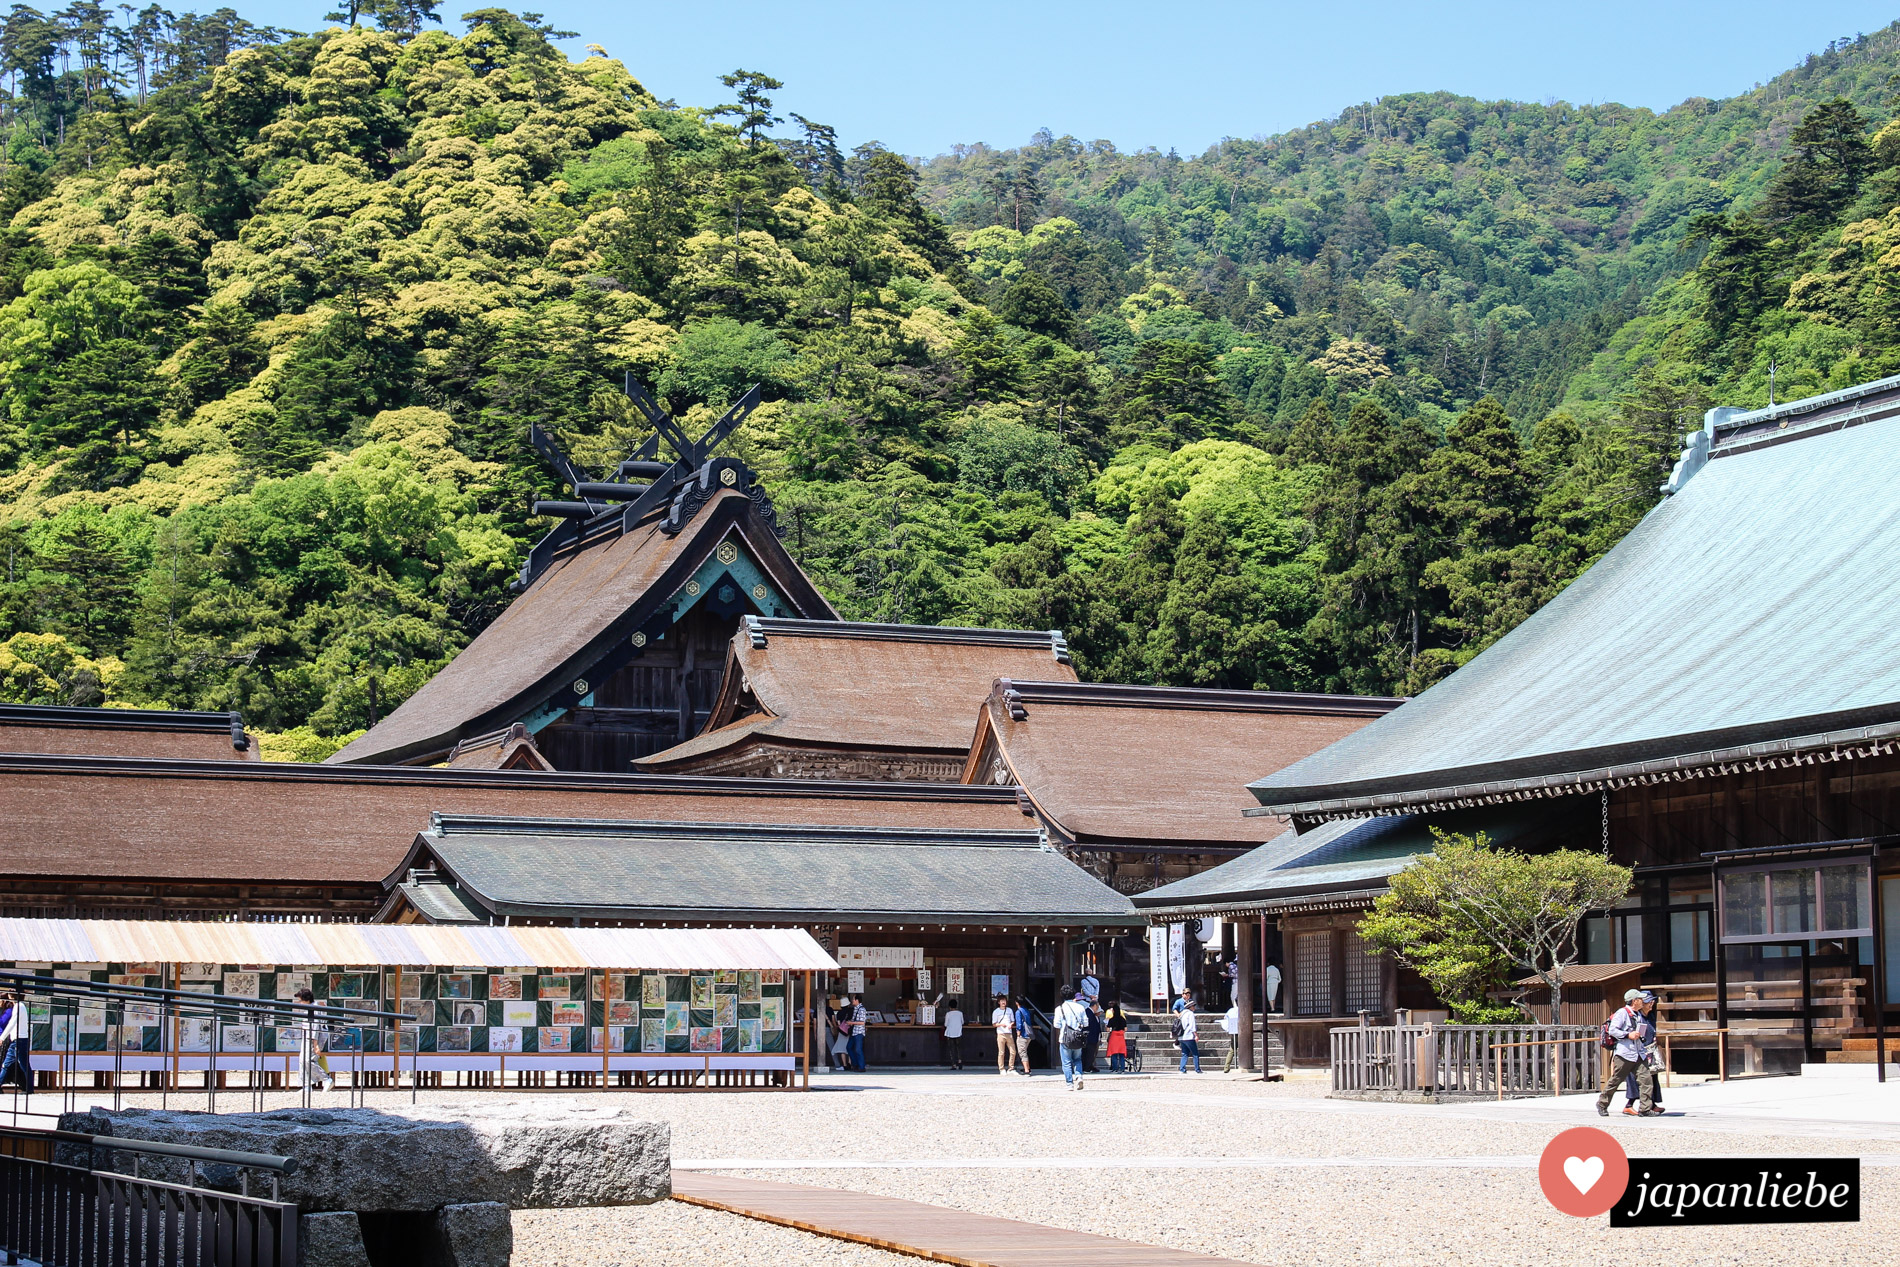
<point>1326,410</point>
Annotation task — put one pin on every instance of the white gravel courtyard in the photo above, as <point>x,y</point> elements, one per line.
<point>1267,1173</point>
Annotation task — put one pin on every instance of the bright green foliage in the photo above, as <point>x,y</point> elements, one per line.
<point>1466,915</point>
<point>277,312</point>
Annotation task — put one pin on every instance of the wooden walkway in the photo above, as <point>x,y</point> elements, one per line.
<point>928,1231</point>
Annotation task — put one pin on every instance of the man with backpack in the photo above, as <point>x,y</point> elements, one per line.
<point>1628,1034</point>
<point>1182,1029</point>
<point>1071,1024</point>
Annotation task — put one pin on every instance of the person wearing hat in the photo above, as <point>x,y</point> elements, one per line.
<point>1633,1034</point>
<point>1651,1056</point>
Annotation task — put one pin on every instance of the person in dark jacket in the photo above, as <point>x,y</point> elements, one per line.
<point>1094,1039</point>
<point>1116,1022</point>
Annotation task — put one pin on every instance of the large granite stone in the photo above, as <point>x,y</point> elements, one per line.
<point>333,1239</point>
<point>521,1156</point>
<point>479,1235</point>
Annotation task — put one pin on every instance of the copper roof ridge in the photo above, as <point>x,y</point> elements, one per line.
<point>119,718</point>
<point>679,784</point>
<point>761,629</point>
<point>442,826</point>
<point>1125,695</point>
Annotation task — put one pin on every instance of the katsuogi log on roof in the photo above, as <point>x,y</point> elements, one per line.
<point>838,699</point>
<point>615,646</point>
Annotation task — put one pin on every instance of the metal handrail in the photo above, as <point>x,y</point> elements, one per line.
<point>64,992</point>
<point>31,983</point>
<point>158,1148</point>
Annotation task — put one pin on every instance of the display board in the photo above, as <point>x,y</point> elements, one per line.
<point>448,1009</point>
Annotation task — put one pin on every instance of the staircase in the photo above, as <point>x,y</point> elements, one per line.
<point>1148,1033</point>
<point>1859,1050</point>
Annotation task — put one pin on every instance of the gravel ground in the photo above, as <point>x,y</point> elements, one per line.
<point>1362,1211</point>
<point>673,1234</point>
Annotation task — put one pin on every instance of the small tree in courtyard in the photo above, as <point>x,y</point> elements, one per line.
<point>1464,915</point>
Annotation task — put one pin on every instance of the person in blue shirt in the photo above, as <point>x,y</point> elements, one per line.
<point>1025,1030</point>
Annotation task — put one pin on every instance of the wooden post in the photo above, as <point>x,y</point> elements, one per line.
<point>808,1030</point>
<point>178,1026</point>
<point>606,1013</point>
<point>1243,994</point>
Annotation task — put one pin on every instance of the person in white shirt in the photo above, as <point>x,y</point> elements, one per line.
<point>1230,1025</point>
<point>1190,1048</point>
<point>1004,1018</point>
<point>1273,985</point>
<point>16,1036</point>
<point>953,1035</point>
<point>1071,1025</point>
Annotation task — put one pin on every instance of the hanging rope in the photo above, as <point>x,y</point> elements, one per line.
<point>1606,822</point>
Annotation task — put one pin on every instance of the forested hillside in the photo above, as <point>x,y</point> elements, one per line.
<point>1327,410</point>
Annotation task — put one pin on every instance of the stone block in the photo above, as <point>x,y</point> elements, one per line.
<point>420,1158</point>
<point>332,1239</point>
<point>477,1235</point>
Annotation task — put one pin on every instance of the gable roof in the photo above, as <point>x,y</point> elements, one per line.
<point>769,872</point>
<point>125,732</point>
<point>1341,863</point>
<point>1746,620</point>
<point>510,748</point>
<point>1151,764</point>
<point>865,686</point>
<point>579,607</point>
<point>271,821</point>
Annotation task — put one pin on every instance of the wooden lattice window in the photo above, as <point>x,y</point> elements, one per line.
<point>1364,983</point>
<point>1313,974</point>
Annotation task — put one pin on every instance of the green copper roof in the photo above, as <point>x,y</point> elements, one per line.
<point>1753,610</point>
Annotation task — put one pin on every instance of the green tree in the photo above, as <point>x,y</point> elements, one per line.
<point>1466,911</point>
<point>753,109</point>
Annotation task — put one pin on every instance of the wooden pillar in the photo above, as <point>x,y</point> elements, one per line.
<point>808,1031</point>
<point>1243,991</point>
<point>1065,963</point>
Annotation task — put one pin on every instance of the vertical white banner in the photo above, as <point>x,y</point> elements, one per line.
<point>1157,963</point>
<point>1177,955</point>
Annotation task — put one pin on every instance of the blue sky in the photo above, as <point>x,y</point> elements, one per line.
<point>921,78</point>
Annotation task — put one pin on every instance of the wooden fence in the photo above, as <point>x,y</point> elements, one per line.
<point>1375,1061</point>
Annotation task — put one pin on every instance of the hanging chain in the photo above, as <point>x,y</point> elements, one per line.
<point>1606,822</point>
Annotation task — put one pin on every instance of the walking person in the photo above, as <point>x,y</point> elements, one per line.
<point>1183,1026</point>
<point>1626,1029</point>
<point>1653,1057</point>
<point>1271,977</point>
<point>1094,1038</point>
<point>1116,1021</point>
<point>310,1048</point>
<point>16,1038</point>
<point>1025,1031</point>
<point>1004,1019</point>
<point>953,1034</point>
<point>854,1050</point>
<point>839,1018</point>
<point>1230,1026</point>
<point>1071,1024</point>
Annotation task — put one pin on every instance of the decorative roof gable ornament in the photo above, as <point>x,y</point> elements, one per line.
<point>672,491</point>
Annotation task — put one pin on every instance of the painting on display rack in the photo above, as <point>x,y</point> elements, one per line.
<point>449,1009</point>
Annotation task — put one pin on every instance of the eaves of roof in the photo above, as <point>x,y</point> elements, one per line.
<point>1803,749</point>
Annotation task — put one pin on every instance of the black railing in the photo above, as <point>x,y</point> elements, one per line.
<point>61,1215</point>
<point>338,1035</point>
